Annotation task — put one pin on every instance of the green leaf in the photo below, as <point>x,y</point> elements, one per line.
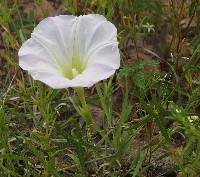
<point>139,79</point>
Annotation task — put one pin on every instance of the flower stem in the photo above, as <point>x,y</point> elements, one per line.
<point>84,110</point>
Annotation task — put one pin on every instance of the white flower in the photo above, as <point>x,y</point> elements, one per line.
<point>69,51</point>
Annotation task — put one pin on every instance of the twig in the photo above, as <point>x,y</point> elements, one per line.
<point>8,90</point>
<point>90,161</point>
<point>192,17</point>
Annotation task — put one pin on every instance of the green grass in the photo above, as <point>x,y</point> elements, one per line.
<point>146,116</point>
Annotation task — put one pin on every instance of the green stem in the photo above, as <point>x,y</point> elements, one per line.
<point>85,111</point>
<point>81,93</point>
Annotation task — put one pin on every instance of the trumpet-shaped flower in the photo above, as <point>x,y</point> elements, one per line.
<point>69,51</point>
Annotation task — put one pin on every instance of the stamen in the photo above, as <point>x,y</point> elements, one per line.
<point>74,72</point>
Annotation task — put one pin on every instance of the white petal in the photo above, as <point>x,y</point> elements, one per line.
<point>107,55</point>
<point>57,81</point>
<point>102,63</point>
<point>57,33</point>
<point>93,31</point>
<point>33,57</point>
<point>51,45</point>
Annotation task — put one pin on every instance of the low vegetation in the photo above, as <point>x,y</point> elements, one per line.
<point>147,114</point>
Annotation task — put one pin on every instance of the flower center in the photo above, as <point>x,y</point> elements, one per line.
<point>74,72</point>
<point>77,67</point>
